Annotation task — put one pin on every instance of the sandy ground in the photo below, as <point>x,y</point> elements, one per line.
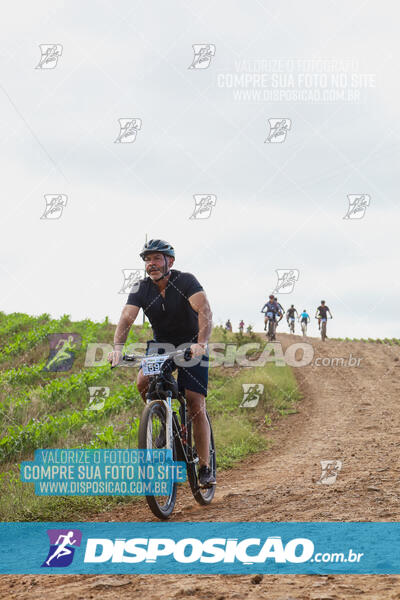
<point>348,414</point>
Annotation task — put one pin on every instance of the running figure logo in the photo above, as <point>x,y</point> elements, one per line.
<point>278,129</point>
<point>252,393</point>
<point>63,543</point>
<point>50,53</point>
<point>357,206</point>
<point>203,204</point>
<point>286,280</point>
<point>203,54</point>
<point>128,129</point>
<point>330,470</point>
<point>132,279</point>
<point>98,397</point>
<point>62,351</point>
<point>55,203</point>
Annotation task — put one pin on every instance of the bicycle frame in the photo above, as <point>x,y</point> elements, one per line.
<point>157,394</point>
<point>176,431</point>
<point>174,428</point>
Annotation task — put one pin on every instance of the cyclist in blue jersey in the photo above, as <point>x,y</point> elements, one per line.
<point>304,319</point>
<point>273,309</point>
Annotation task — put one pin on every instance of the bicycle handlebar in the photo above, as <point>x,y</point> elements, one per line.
<point>132,358</point>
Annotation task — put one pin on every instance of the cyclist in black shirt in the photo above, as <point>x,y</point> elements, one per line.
<point>178,310</point>
<point>322,312</point>
<point>290,314</point>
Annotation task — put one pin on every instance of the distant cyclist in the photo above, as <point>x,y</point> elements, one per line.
<point>322,312</point>
<point>304,319</point>
<point>274,309</point>
<point>241,326</point>
<point>290,314</point>
<point>228,325</point>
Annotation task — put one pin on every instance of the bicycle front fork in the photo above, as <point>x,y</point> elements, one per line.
<point>168,421</point>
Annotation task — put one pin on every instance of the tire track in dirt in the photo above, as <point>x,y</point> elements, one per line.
<point>347,413</point>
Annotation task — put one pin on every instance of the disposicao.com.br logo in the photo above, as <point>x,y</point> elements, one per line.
<point>213,550</point>
<point>204,547</point>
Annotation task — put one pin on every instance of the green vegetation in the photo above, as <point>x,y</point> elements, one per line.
<point>389,341</point>
<point>45,409</point>
<point>241,431</point>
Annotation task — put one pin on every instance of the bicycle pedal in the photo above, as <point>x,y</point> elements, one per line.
<point>206,486</point>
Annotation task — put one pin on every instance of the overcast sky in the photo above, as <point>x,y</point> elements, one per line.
<point>278,205</point>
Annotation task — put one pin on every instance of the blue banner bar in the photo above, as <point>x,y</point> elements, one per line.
<point>209,548</point>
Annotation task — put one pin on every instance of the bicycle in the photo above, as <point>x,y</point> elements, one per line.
<point>271,326</point>
<point>161,427</point>
<point>291,324</point>
<point>304,328</point>
<point>323,328</point>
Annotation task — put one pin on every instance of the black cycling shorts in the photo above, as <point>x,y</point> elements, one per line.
<point>194,378</point>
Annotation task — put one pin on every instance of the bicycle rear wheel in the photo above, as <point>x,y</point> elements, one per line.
<point>323,330</point>
<point>151,437</point>
<point>202,495</point>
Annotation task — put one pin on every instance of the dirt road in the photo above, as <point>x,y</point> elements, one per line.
<point>347,413</point>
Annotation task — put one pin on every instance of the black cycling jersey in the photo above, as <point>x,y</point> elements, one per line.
<point>290,312</point>
<point>323,311</point>
<point>172,318</point>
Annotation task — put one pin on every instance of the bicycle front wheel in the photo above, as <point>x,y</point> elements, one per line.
<point>271,330</point>
<point>152,436</point>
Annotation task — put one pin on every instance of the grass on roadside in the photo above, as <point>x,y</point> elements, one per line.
<point>238,431</point>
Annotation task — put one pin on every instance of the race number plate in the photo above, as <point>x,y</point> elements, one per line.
<point>152,365</point>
